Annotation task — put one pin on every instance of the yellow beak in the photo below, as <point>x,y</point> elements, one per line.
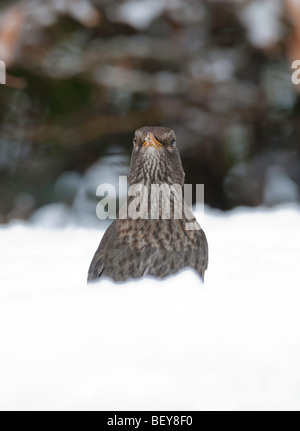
<point>151,141</point>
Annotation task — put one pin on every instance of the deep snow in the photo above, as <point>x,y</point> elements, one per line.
<point>232,343</point>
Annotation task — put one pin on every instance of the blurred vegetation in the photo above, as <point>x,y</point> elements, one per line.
<point>82,75</point>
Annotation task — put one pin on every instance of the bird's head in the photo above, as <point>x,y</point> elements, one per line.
<point>155,157</point>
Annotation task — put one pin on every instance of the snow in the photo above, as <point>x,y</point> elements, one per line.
<point>232,343</point>
<point>279,187</point>
<point>141,13</point>
<point>262,21</point>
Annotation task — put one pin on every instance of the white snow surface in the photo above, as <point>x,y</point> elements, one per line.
<point>232,343</point>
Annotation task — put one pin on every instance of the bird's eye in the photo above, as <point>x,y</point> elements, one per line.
<point>134,142</point>
<point>173,143</point>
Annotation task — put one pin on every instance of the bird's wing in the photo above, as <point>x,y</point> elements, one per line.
<point>97,265</point>
<point>198,241</point>
<point>203,258</point>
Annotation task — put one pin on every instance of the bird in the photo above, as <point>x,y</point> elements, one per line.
<point>145,243</point>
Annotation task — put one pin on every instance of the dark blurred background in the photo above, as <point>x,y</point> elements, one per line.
<point>82,75</point>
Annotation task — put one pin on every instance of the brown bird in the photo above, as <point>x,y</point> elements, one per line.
<point>146,239</point>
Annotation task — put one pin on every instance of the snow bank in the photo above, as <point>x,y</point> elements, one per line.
<point>232,343</point>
